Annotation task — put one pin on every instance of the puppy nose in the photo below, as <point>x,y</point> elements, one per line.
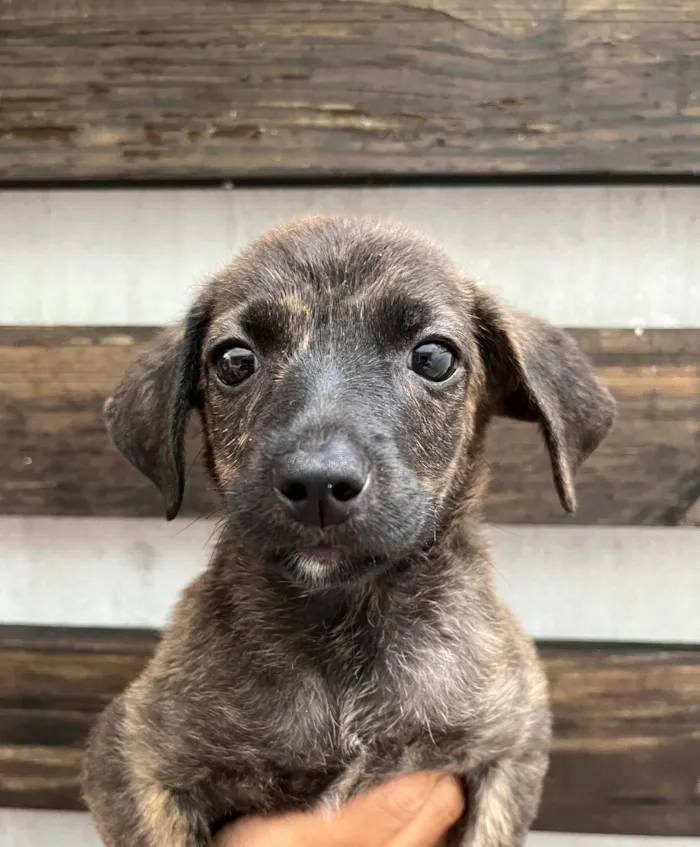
<point>322,487</point>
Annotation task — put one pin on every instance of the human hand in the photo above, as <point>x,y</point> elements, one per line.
<point>410,811</point>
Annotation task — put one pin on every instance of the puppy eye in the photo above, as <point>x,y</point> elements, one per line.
<point>235,365</point>
<point>433,360</point>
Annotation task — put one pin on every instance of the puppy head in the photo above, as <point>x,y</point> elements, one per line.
<point>345,372</point>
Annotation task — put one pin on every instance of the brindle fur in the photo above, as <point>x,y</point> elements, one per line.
<point>277,684</point>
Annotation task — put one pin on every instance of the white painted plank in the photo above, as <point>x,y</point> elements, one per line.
<point>26,828</point>
<point>30,828</point>
<point>605,583</point>
<point>97,572</point>
<point>580,256</point>
<point>563,839</point>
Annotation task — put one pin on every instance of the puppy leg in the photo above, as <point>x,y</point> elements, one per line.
<point>159,818</point>
<point>166,818</point>
<point>503,802</point>
<point>130,810</point>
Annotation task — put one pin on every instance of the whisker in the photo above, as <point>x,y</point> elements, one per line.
<point>195,520</point>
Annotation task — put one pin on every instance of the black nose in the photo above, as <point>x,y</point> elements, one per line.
<point>324,486</point>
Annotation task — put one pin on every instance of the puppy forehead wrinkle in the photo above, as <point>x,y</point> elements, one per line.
<point>269,314</point>
<point>263,319</point>
<point>315,265</point>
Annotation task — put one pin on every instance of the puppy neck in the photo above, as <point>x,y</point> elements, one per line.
<point>456,566</point>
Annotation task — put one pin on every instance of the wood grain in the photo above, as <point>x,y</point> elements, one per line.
<point>627,739</point>
<point>55,458</point>
<point>304,88</point>
<point>627,721</point>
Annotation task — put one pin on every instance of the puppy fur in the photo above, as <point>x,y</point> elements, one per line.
<point>285,679</point>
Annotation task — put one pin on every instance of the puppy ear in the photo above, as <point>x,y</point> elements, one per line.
<point>537,372</point>
<point>147,416</point>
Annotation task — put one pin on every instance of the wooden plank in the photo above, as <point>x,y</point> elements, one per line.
<point>27,828</point>
<point>53,683</point>
<point>55,458</point>
<point>206,88</point>
<point>601,256</point>
<point>626,725</point>
<point>627,739</point>
<point>562,582</point>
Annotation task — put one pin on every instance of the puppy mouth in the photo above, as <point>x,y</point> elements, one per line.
<point>318,560</point>
<point>322,555</point>
<point>318,566</point>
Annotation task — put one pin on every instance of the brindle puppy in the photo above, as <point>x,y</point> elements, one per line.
<point>347,628</point>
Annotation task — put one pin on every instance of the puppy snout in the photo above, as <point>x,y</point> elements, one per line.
<point>322,486</point>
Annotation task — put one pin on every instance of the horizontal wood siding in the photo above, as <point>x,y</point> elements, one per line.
<point>576,583</point>
<point>31,828</point>
<point>627,740</point>
<point>206,88</point>
<point>55,458</point>
<point>589,256</point>
<point>626,725</point>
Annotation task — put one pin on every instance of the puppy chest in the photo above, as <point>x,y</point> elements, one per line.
<point>388,709</point>
<point>320,724</point>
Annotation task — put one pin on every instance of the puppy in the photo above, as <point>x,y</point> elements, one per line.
<point>347,628</point>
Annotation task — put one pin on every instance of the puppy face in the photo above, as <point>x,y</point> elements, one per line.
<point>345,372</point>
<point>339,377</point>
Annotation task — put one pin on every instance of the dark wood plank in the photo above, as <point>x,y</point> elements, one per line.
<point>53,683</point>
<point>627,721</point>
<point>627,740</point>
<point>55,457</point>
<point>263,88</point>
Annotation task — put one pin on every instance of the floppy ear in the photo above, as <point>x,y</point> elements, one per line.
<point>147,416</point>
<point>537,372</point>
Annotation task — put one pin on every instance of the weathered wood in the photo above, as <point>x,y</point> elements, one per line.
<point>627,721</point>
<point>627,739</point>
<point>55,457</point>
<point>209,88</point>
<point>53,683</point>
<point>586,255</point>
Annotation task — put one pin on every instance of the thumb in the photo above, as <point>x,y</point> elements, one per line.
<point>372,819</point>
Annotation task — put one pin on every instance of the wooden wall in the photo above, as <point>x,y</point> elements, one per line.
<point>210,88</point>
<point>113,126</point>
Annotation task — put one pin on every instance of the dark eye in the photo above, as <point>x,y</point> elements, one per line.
<point>235,365</point>
<point>433,361</point>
